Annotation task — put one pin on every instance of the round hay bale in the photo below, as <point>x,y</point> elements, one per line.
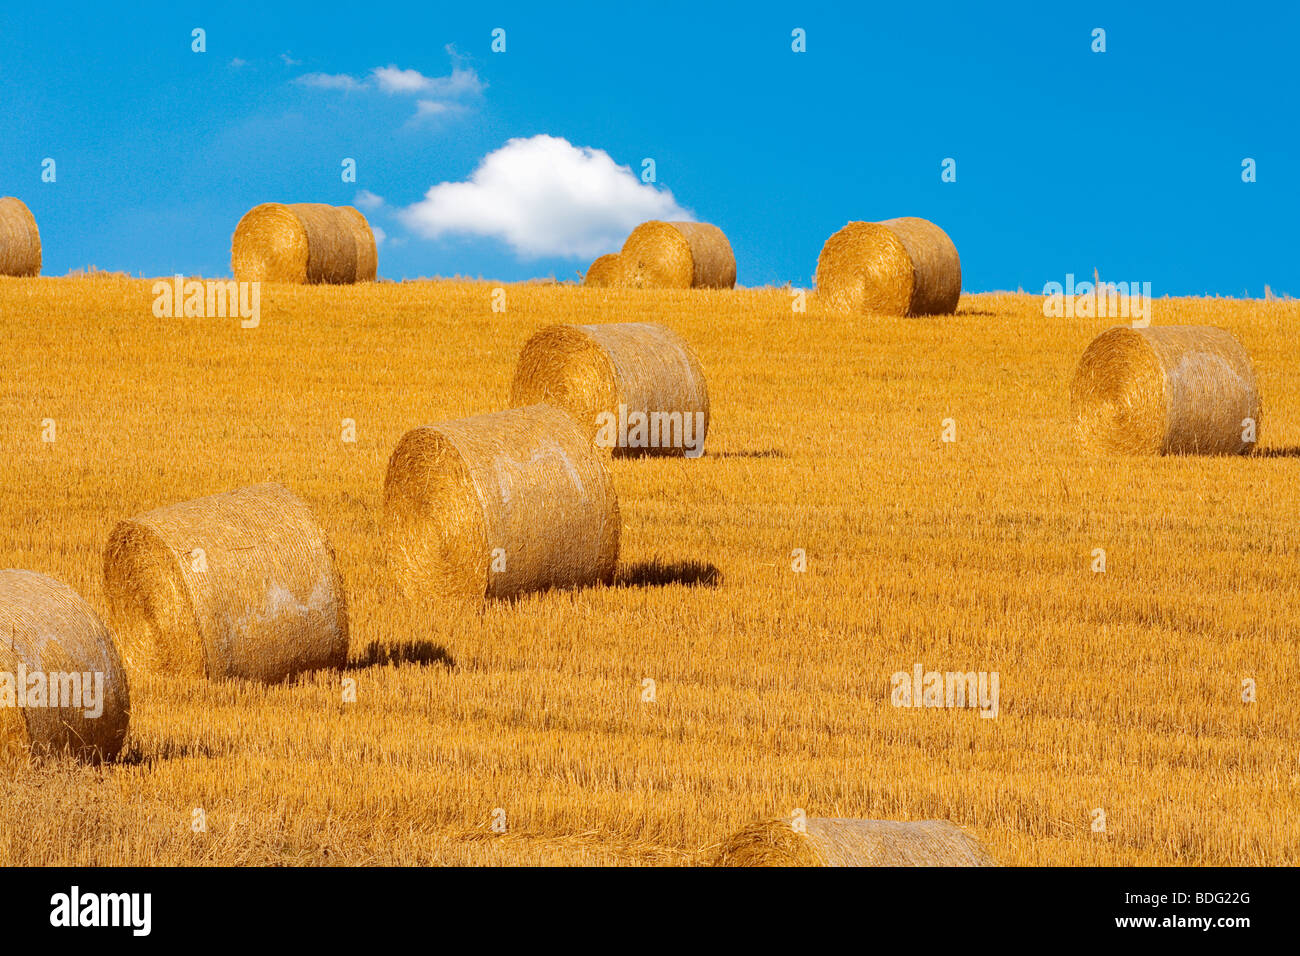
<point>678,255</point>
<point>828,841</point>
<point>20,240</point>
<point>613,373</point>
<point>1165,390</point>
<point>499,504</point>
<point>606,271</point>
<point>302,242</point>
<point>903,266</point>
<point>237,585</point>
<point>47,629</point>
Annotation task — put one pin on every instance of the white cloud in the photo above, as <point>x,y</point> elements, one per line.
<point>367,200</point>
<point>439,94</point>
<point>379,235</point>
<point>237,63</point>
<point>543,196</point>
<point>329,81</point>
<point>289,61</point>
<point>393,80</point>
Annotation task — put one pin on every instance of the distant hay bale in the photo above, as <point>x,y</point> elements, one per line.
<point>303,242</point>
<point>678,255</point>
<point>1168,390</point>
<point>499,504</point>
<point>902,266</point>
<point>615,372</point>
<point>605,271</point>
<point>838,842</point>
<point>46,628</point>
<point>236,585</point>
<point>20,240</point>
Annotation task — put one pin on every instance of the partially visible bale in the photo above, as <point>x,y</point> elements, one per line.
<point>303,243</point>
<point>47,628</point>
<point>678,255</point>
<point>828,841</point>
<point>605,271</point>
<point>499,504</point>
<point>236,585</point>
<point>20,240</point>
<point>615,371</point>
<point>1167,390</point>
<point>902,266</point>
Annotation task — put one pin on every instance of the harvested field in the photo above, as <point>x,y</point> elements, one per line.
<point>1120,691</point>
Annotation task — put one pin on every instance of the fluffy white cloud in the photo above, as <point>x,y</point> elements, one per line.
<point>367,200</point>
<point>543,196</point>
<point>393,80</point>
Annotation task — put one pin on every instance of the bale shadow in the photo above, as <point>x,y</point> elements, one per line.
<point>423,653</point>
<point>758,453</point>
<point>133,756</point>
<point>657,573</point>
<point>1287,452</point>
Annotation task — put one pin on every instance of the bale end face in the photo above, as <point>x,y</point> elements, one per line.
<point>563,366</point>
<point>606,272</point>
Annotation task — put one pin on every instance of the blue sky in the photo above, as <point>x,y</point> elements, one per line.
<point>1127,161</point>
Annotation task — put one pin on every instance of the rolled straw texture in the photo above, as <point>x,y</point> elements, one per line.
<point>237,585</point>
<point>905,266</point>
<point>48,628</point>
<point>592,370</point>
<point>303,243</point>
<point>499,504</point>
<point>605,271</point>
<point>367,252</point>
<point>20,240</point>
<point>678,255</point>
<point>838,842</point>
<point>1166,390</point>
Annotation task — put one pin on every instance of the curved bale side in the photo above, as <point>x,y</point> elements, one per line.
<point>606,375</point>
<point>906,266</point>
<point>678,255</point>
<point>237,585</point>
<point>303,243</point>
<point>20,240</point>
<point>829,841</point>
<point>49,630</point>
<point>1166,390</point>
<point>605,272</point>
<point>367,250</point>
<point>497,505</point>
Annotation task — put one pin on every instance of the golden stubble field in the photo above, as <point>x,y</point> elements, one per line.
<point>1120,691</point>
